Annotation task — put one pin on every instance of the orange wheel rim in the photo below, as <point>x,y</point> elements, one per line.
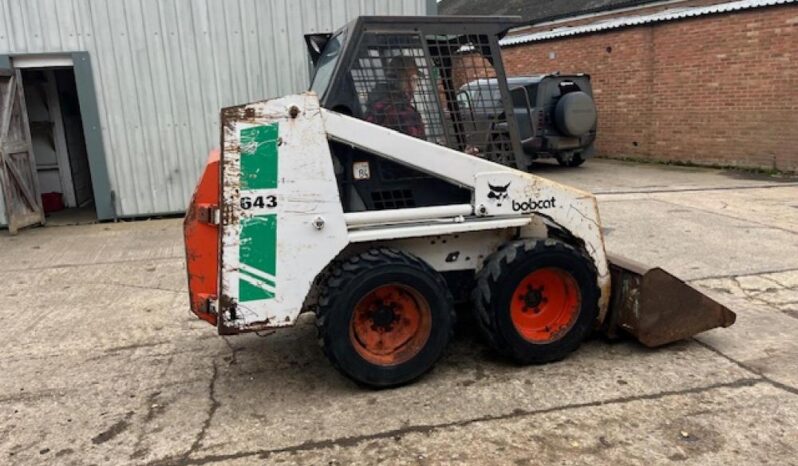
<point>545,305</point>
<point>390,324</point>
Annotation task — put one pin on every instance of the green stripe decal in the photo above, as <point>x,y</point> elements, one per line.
<point>257,253</point>
<point>259,157</point>
<point>250,292</point>
<point>258,258</point>
<point>258,277</point>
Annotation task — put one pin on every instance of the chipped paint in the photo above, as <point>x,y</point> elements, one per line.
<point>277,178</point>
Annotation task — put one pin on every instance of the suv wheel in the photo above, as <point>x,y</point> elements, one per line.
<point>573,161</point>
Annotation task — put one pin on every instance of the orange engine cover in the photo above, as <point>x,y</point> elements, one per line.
<point>201,236</point>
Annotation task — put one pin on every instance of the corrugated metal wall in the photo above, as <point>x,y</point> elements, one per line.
<point>164,68</point>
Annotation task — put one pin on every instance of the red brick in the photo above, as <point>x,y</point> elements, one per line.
<point>718,89</point>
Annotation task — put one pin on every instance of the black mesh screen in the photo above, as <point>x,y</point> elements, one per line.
<point>439,88</point>
<point>393,199</point>
<point>395,86</point>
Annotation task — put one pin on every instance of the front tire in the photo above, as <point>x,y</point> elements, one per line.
<point>384,318</point>
<point>536,301</point>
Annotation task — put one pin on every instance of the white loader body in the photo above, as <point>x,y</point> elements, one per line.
<point>282,221</point>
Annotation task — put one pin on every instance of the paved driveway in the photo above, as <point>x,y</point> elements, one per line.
<point>102,362</point>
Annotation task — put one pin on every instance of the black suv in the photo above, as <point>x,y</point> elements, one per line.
<point>555,114</point>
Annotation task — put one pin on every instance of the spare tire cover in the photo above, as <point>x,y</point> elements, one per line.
<point>575,113</point>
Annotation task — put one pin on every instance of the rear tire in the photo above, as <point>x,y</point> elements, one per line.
<point>572,162</point>
<point>536,301</point>
<point>575,114</point>
<point>384,317</point>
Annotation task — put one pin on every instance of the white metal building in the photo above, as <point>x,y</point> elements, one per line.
<point>123,96</point>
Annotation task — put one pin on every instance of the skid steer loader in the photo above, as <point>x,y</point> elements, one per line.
<point>302,209</point>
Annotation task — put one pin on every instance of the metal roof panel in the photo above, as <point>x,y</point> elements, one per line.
<point>630,21</point>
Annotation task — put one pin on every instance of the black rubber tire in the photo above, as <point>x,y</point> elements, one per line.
<point>499,278</point>
<point>575,161</point>
<point>353,278</point>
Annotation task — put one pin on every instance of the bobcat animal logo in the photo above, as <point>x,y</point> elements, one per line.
<point>498,193</point>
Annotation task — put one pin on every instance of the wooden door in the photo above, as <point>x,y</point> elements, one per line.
<point>17,165</point>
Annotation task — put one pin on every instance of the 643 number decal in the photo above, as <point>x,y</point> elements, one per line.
<point>260,202</point>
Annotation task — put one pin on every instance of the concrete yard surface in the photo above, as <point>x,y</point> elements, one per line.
<point>102,362</point>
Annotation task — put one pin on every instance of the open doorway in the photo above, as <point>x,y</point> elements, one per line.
<point>58,145</point>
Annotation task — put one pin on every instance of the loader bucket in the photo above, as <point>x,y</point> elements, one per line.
<point>658,308</point>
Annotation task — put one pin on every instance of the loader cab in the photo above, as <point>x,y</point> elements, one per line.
<point>404,73</point>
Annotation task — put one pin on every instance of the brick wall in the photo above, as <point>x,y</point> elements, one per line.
<point>717,90</point>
